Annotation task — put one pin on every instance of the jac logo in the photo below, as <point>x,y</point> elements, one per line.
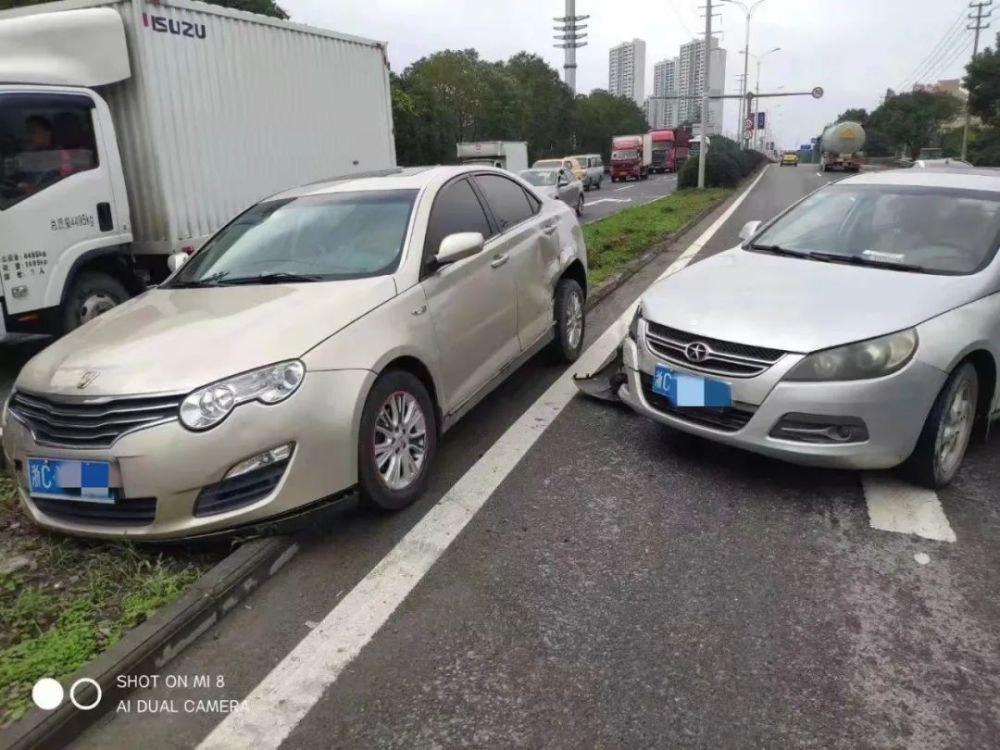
<point>165,25</point>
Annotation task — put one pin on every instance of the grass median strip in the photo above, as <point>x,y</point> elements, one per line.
<point>614,241</point>
<point>63,601</point>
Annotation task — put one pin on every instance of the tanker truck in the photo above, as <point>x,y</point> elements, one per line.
<point>841,145</point>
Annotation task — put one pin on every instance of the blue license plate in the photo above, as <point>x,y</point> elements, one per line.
<point>691,390</point>
<point>85,481</point>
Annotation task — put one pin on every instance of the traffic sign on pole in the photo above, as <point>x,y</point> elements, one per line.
<point>761,120</point>
<point>748,124</point>
<point>817,93</point>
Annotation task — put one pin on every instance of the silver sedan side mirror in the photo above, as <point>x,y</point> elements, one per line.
<point>176,260</point>
<point>749,230</point>
<point>458,246</point>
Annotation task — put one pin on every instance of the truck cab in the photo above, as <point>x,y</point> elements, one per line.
<point>628,158</point>
<point>64,215</point>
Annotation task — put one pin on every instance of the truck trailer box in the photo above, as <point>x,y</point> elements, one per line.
<point>191,113</point>
<point>509,155</point>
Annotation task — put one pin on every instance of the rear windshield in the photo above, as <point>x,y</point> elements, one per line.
<point>540,177</point>
<point>623,155</point>
<point>324,237</point>
<point>936,230</point>
<point>548,163</point>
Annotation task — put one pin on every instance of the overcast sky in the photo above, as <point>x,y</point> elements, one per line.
<point>854,49</point>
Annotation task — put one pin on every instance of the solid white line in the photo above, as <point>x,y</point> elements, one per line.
<point>627,187</point>
<point>293,687</point>
<point>894,505</point>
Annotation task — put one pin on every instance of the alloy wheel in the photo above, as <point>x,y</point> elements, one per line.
<point>399,443</point>
<point>574,320</point>
<point>955,430</point>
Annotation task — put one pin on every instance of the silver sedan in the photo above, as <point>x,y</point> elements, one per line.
<point>559,184</point>
<point>859,329</point>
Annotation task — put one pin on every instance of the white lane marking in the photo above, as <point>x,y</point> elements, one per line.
<point>627,187</point>
<point>609,200</point>
<point>285,696</point>
<point>895,505</point>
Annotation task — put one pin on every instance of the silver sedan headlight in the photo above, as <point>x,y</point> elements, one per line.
<point>865,359</point>
<point>208,406</point>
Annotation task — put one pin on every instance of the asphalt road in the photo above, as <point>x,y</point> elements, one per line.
<point>614,196</point>
<point>623,586</point>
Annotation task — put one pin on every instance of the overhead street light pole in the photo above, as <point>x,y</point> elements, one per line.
<point>745,111</point>
<point>759,59</point>
<point>703,146</point>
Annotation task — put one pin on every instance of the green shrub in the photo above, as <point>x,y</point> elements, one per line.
<point>721,170</point>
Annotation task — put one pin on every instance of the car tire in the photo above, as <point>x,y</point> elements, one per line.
<point>570,321</point>
<point>579,205</point>
<point>380,487</point>
<point>92,294</point>
<point>937,458</point>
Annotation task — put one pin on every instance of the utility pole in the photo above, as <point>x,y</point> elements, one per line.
<point>703,150</point>
<point>569,40</point>
<point>979,18</point>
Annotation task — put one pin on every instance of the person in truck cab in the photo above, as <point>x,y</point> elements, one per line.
<point>39,132</point>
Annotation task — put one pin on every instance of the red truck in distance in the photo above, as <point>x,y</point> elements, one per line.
<point>664,156</point>
<point>630,157</point>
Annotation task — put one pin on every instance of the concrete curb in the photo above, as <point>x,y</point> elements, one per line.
<point>612,284</point>
<point>149,647</point>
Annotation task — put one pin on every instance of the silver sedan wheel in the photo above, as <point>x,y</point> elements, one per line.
<point>955,429</point>
<point>95,305</point>
<point>574,320</point>
<point>400,440</point>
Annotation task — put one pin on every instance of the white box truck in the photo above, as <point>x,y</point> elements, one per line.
<point>509,155</point>
<point>130,130</point>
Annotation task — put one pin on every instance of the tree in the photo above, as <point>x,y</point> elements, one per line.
<point>982,81</point>
<point>915,119</point>
<point>544,106</point>
<point>264,7</point>
<point>600,115</point>
<point>854,115</point>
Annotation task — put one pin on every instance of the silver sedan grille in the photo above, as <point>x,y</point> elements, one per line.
<point>709,355</point>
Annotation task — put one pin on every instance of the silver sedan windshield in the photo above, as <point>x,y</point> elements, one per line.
<point>934,230</point>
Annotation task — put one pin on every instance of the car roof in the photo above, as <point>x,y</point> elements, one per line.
<point>961,178</point>
<point>397,178</point>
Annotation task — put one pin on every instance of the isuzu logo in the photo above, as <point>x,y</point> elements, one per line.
<point>697,351</point>
<point>86,379</point>
<point>165,25</point>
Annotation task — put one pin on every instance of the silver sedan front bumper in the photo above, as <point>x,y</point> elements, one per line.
<point>892,408</point>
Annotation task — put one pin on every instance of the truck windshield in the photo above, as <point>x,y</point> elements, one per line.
<point>313,238</point>
<point>43,139</point>
<point>624,155</point>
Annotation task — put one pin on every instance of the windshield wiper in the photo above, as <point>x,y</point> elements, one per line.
<point>860,260</point>
<point>778,250</point>
<point>279,277</point>
<point>212,280</point>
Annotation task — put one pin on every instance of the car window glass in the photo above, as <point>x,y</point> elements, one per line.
<point>329,237</point>
<point>456,209</point>
<point>507,200</point>
<point>43,140</point>
<point>941,230</point>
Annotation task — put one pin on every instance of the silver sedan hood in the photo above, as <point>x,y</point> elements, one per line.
<point>173,340</point>
<point>800,305</point>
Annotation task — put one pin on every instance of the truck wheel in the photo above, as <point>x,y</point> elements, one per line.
<point>92,294</point>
